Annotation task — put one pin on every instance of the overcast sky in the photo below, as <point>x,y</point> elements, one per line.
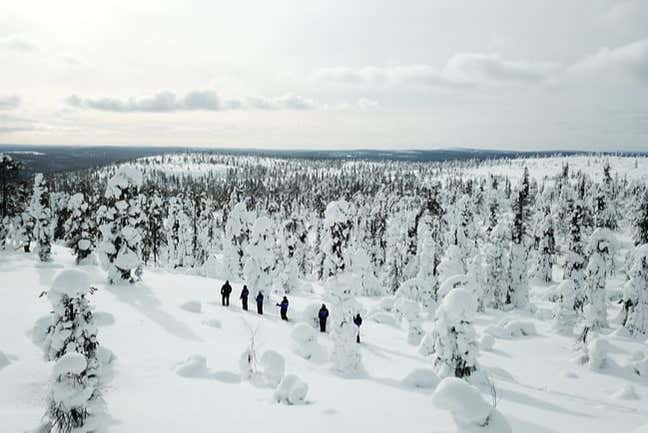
<point>503,74</point>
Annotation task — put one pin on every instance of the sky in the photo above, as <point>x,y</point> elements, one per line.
<point>326,74</point>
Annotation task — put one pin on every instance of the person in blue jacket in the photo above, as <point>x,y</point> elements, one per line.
<point>358,321</point>
<point>259,301</point>
<point>244,297</point>
<point>283,308</point>
<point>323,315</point>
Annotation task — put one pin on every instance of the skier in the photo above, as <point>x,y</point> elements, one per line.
<point>225,293</point>
<point>323,315</point>
<point>259,301</point>
<point>358,321</point>
<point>244,297</point>
<point>283,308</point>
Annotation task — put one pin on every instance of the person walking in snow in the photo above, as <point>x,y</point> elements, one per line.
<point>358,321</point>
<point>323,315</point>
<point>283,308</point>
<point>244,297</point>
<point>259,301</point>
<point>226,290</point>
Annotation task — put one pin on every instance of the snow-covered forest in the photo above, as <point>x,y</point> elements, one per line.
<point>495,296</point>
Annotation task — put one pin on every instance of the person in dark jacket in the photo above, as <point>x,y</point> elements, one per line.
<point>226,290</point>
<point>283,308</point>
<point>259,301</point>
<point>244,297</point>
<point>358,321</point>
<point>323,315</point>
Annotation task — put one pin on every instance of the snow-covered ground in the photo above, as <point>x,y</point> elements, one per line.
<point>152,331</point>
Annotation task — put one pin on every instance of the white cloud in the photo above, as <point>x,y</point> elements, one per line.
<point>630,59</point>
<point>9,102</point>
<point>207,100</point>
<point>17,43</point>
<point>463,69</point>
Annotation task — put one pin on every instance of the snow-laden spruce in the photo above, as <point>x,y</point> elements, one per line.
<point>636,294</point>
<point>261,261</point>
<point>601,248</point>
<point>75,401</point>
<point>120,221</point>
<point>338,221</point>
<point>453,341</point>
<point>40,213</point>
<point>80,228</point>
<point>345,355</point>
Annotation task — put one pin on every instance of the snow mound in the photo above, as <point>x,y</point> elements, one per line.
<point>568,374</point>
<point>292,390</point>
<point>69,282</point>
<point>310,314</point>
<point>597,351</point>
<point>4,360</point>
<point>105,356</point>
<point>103,318</point>
<point>274,367</point>
<point>304,340</point>
<point>486,342</point>
<point>192,306</point>
<point>469,410</point>
<point>70,363</point>
<point>193,366</point>
<point>383,317</point>
<point>459,305</point>
<point>38,333</point>
<point>512,329</point>
<point>627,392</point>
<point>451,283</point>
<point>387,304</point>
<point>421,378</point>
<point>640,367</point>
<point>213,323</point>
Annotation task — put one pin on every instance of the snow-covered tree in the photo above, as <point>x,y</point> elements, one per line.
<point>640,219</point>
<point>545,250</point>
<point>496,264</point>
<point>40,213</point>
<point>575,260</point>
<point>345,356</point>
<point>261,260</point>
<point>564,314</point>
<point>338,221</point>
<point>75,403</point>
<point>600,248</point>
<point>453,336</point>
<point>410,311</point>
<point>237,233</point>
<point>80,228</point>
<point>518,287</point>
<point>636,293</point>
<point>120,226</point>
<point>154,233</point>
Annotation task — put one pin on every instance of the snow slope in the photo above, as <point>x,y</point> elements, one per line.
<point>542,389</point>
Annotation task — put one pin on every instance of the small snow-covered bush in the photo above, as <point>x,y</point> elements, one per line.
<point>382,317</point>
<point>192,306</point>
<point>291,390</point>
<point>304,339</point>
<point>4,360</point>
<point>486,342</point>
<point>627,392</point>
<point>597,351</point>
<point>421,378</point>
<point>193,366</point>
<point>512,329</point>
<point>273,366</point>
<point>469,410</point>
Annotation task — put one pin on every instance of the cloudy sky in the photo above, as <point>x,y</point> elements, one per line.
<point>505,74</point>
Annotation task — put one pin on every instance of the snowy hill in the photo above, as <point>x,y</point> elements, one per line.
<point>542,388</point>
<point>495,296</point>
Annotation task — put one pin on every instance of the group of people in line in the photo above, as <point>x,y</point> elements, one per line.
<point>226,291</point>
